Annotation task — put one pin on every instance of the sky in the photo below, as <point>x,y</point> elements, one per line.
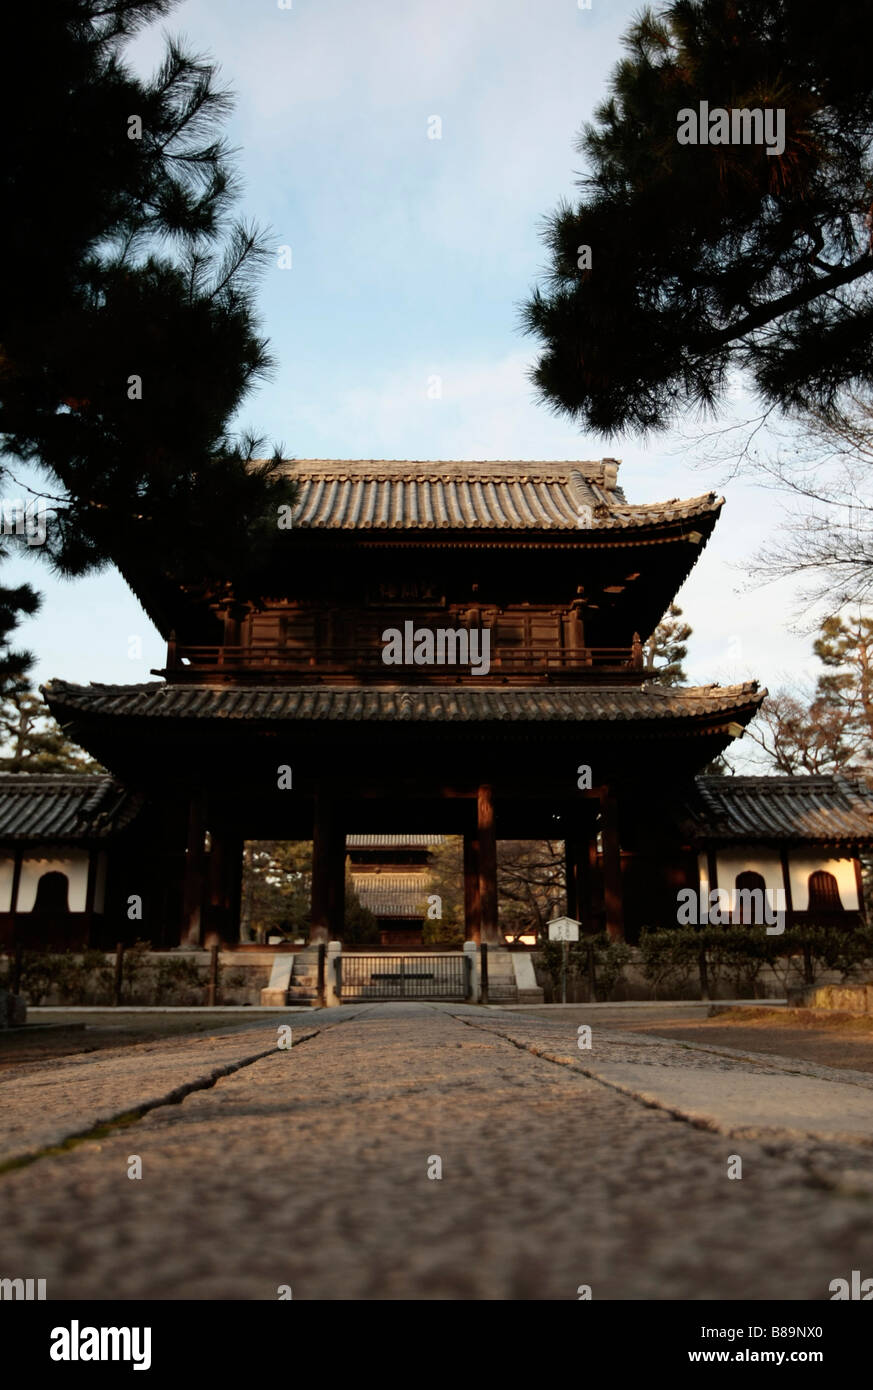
<point>410,257</point>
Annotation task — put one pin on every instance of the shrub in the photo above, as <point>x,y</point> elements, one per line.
<point>610,961</point>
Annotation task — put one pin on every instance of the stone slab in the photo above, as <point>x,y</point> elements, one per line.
<point>47,1102</point>
<point>730,1101</point>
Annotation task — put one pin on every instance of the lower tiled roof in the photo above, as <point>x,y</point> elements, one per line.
<point>49,806</point>
<point>823,810</point>
<point>392,895</point>
<point>427,704</point>
<point>393,841</point>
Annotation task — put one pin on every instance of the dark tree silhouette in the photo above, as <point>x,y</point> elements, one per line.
<point>127,328</point>
<point>705,258</point>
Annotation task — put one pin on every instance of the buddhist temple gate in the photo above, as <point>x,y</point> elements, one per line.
<point>285,720</point>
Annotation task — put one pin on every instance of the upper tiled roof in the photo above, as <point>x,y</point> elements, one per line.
<point>428,704</point>
<point>377,494</point>
<point>824,810</point>
<point>48,806</point>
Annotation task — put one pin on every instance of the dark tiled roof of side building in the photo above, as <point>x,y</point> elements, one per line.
<point>804,809</point>
<point>52,806</point>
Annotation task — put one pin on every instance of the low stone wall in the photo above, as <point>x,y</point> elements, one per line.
<point>178,977</point>
<point>842,998</point>
<point>633,985</point>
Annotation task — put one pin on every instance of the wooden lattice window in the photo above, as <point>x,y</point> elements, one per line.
<point>52,893</point>
<point>824,895</point>
<point>750,910</point>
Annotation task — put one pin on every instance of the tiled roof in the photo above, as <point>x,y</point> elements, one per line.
<point>48,806</point>
<point>393,841</point>
<point>377,494</point>
<point>392,895</point>
<point>825,810</point>
<point>427,704</point>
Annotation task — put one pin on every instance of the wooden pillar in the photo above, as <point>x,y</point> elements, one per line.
<point>612,869</point>
<point>472,905</point>
<point>194,879</point>
<point>490,932</point>
<point>90,889</point>
<point>328,872</point>
<point>786,884</point>
<point>221,923</point>
<point>13,900</point>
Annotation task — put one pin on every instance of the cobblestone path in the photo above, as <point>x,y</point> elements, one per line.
<point>309,1168</point>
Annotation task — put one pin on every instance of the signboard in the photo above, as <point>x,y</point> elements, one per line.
<point>564,929</point>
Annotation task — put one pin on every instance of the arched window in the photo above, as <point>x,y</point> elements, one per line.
<point>52,893</point>
<point>750,898</point>
<point>824,895</point>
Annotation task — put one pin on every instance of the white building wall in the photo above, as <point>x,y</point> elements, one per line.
<point>803,863</point>
<point>7,871</point>
<point>732,862</point>
<point>766,862</point>
<point>74,864</point>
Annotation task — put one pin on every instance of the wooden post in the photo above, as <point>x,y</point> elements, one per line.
<point>487,866</point>
<point>859,886</point>
<point>786,883</point>
<point>612,869</point>
<point>119,977</point>
<point>712,873</point>
<point>90,889</point>
<point>322,957</point>
<point>13,900</point>
<point>483,971</point>
<point>212,994</point>
<point>472,906</point>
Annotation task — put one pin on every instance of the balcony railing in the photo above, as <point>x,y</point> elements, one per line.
<point>272,662</point>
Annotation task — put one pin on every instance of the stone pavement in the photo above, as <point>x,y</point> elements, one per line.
<point>309,1167</point>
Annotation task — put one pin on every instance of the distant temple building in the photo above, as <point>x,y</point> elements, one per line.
<point>392,879</point>
<point>445,648</point>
